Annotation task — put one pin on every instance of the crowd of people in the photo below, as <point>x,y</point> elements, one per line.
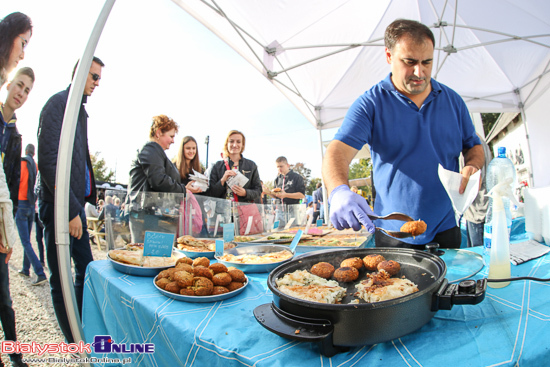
<point>405,160</point>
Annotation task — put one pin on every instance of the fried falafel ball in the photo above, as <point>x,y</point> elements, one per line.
<point>355,262</point>
<point>346,274</point>
<point>163,274</point>
<point>161,282</point>
<point>187,291</point>
<point>237,275</point>
<point>389,266</point>
<point>184,260</point>
<point>322,269</point>
<point>201,261</point>
<point>184,278</point>
<point>219,290</point>
<point>171,272</point>
<point>234,286</point>
<point>201,271</point>
<point>172,287</point>
<point>371,261</point>
<point>218,268</point>
<point>202,286</point>
<point>416,227</point>
<point>186,267</point>
<point>222,279</point>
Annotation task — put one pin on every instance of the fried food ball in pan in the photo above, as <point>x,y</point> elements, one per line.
<point>237,275</point>
<point>161,282</point>
<point>172,287</point>
<point>201,261</point>
<point>222,279</point>
<point>182,266</point>
<point>163,274</point>
<point>346,274</point>
<point>201,271</point>
<point>184,260</point>
<point>219,290</point>
<point>234,286</point>
<point>218,268</point>
<point>322,269</point>
<point>202,286</point>
<point>371,261</point>
<point>187,291</point>
<point>171,272</point>
<point>355,262</point>
<point>389,266</point>
<point>416,227</point>
<point>184,278</point>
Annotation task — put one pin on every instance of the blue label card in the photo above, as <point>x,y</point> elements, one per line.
<point>158,244</point>
<point>276,224</point>
<point>219,248</point>
<point>319,222</point>
<point>295,241</point>
<point>228,232</point>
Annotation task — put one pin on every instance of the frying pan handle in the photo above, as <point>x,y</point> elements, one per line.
<point>467,292</point>
<point>298,328</point>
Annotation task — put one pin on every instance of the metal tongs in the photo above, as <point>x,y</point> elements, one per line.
<point>393,216</point>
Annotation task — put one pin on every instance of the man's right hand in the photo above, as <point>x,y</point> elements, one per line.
<point>349,210</point>
<point>75,227</point>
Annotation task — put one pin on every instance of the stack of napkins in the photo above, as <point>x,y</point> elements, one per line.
<point>201,181</point>
<point>525,251</point>
<point>238,180</point>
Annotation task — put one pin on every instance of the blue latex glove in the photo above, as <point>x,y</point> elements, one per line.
<point>349,210</point>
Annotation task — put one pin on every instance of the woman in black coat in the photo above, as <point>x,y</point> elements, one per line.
<point>233,161</point>
<point>152,171</point>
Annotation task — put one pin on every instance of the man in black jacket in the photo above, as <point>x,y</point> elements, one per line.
<point>82,190</point>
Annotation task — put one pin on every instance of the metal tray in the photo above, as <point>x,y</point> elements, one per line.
<point>195,254</point>
<point>207,254</point>
<point>138,270</point>
<point>200,299</point>
<point>258,250</point>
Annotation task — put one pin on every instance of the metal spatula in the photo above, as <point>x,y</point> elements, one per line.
<point>393,216</point>
<point>395,234</point>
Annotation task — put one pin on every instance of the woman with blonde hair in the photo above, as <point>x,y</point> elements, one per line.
<point>233,161</point>
<point>186,161</point>
<point>152,170</point>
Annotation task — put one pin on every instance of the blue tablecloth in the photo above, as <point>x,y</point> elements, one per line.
<point>510,327</point>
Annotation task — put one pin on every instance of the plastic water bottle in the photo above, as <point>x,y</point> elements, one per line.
<point>499,169</point>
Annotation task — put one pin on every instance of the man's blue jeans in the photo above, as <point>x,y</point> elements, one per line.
<point>81,253</point>
<point>24,219</point>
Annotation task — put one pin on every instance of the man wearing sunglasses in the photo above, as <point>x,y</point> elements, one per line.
<point>82,190</point>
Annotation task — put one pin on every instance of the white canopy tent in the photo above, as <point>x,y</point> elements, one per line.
<point>323,54</point>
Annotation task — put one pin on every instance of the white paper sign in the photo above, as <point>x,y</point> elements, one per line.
<point>308,225</point>
<point>289,223</point>
<point>248,226</point>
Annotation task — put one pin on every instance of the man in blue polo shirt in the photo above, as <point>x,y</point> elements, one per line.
<point>412,124</point>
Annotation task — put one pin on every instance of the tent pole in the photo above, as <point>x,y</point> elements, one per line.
<point>523,118</point>
<point>325,198</point>
<point>63,175</point>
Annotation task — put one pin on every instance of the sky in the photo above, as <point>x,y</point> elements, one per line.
<point>159,60</point>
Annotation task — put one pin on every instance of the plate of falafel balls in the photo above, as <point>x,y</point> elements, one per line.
<point>197,280</point>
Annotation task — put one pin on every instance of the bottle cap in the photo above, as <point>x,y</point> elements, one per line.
<point>501,151</point>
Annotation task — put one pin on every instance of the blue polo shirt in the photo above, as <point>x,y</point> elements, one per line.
<point>407,143</point>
